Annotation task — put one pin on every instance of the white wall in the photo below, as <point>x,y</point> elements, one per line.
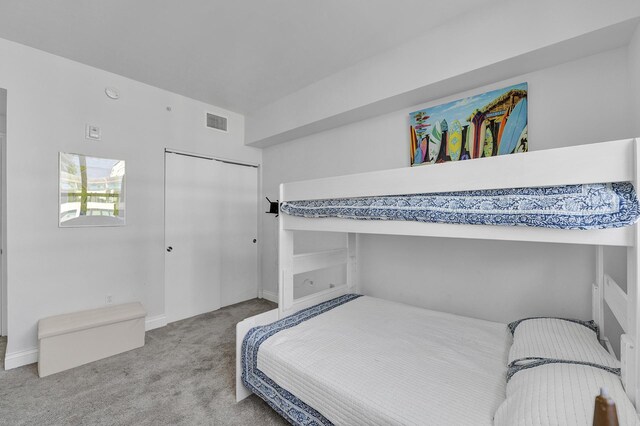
<point>3,110</point>
<point>634,73</point>
<point>395,78</point>
<point>3,130</point>
<point>53,270</point>
<point>583,101</point>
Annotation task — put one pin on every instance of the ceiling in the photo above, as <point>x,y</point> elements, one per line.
<point>236,54</point>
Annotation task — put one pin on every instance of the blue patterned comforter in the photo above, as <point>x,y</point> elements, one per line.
<point>593,206</point>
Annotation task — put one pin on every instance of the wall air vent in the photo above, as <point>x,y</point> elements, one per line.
<point>216,122</point>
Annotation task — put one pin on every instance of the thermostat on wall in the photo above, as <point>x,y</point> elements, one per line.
<point>93,132</point>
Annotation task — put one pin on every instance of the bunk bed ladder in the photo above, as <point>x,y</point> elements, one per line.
<point>630,355</point>
<point>623,304</point>
<point>291,264</point>
<point>628,342</point>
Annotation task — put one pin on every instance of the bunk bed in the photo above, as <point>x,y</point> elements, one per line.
<point>328,329</point>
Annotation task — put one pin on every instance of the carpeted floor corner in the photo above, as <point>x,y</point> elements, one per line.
<point>184,375</point>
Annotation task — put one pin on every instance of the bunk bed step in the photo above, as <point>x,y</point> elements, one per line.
<point>319,260</point>
<point>617,300</point>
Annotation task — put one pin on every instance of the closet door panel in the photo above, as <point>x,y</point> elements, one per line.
<point>239,211</point>
<point>194,229</point>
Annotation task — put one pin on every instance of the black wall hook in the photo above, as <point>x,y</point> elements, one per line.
<point>273,207</point>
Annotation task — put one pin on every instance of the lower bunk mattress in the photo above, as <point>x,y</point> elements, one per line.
<point>359,360</point>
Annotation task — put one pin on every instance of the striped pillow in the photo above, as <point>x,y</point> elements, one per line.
<point>561,394</point>
<point>538,341</point>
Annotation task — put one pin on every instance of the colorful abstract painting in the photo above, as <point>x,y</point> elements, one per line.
<point>485,125</point>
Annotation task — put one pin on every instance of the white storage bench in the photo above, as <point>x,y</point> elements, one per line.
<point>70,340</point>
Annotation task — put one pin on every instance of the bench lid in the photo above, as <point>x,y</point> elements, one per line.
<point>82,320</point>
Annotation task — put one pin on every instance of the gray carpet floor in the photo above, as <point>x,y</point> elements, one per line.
<point>184,375</point>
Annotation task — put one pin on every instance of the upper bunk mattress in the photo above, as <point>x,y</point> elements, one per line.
<point>592,206</point>
<point>366,361</point>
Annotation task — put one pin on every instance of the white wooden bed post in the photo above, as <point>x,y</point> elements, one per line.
<point>285,264</point>
<point>597,295</point>
<point>628,342</point>
<point>629,353</point>
<point>352,263</point>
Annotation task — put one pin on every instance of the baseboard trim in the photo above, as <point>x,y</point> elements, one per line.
<point>151,323</point>
<point>270,296</point>
<point>18,359</point>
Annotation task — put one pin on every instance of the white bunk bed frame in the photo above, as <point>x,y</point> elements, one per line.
<point>618,161</point>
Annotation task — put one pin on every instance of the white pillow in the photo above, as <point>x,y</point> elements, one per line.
<point>560,394</point>
<point>538,339</point>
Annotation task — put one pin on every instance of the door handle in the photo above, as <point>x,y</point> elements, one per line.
<point>255,241</point>
<point>169,249</point>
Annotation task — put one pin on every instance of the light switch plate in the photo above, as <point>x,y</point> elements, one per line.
<point>93,132</point>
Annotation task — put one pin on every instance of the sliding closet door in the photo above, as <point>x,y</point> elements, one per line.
<point>239,235</point>
<point>193,227</point>
<point>211,219</point>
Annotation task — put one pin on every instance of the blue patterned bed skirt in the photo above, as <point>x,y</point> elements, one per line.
<point>593,206</point>
<point>281,400</point>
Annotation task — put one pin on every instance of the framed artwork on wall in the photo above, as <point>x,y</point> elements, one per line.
<point>91,191</point>
<point>485,125</point>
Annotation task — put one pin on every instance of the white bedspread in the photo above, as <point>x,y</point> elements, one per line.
<point>375,362</point>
